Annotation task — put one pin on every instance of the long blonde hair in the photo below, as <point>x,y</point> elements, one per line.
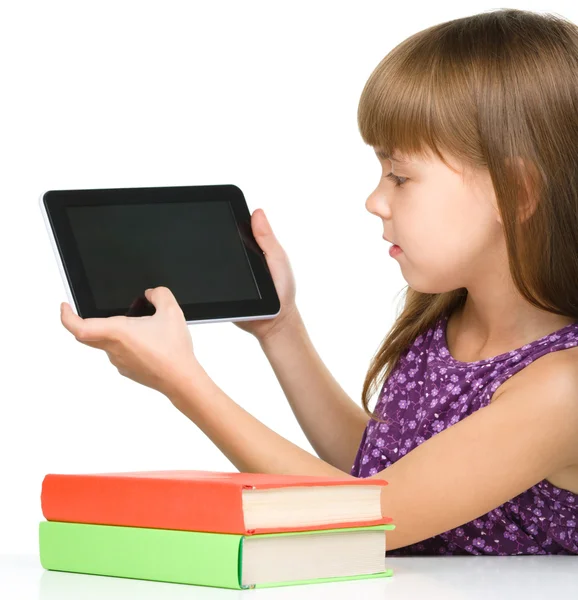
<point>498,91</point>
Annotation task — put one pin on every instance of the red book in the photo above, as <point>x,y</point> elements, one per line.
<point>221,502</point>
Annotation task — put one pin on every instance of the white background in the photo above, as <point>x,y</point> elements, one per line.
<point>263,95</point>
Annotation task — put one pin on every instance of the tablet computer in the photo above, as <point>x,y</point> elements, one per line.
<point>112,244</point>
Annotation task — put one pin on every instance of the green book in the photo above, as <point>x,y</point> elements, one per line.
<point>215,559</point>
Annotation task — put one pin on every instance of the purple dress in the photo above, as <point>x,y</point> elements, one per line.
<point>429,391</point>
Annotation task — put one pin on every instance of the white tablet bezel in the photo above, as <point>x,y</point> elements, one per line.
<point>59,262</point>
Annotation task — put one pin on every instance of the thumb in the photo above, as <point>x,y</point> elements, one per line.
<point>263,232</point>
<point>161,297</point>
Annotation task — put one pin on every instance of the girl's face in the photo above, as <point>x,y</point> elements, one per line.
<point>448,227</point>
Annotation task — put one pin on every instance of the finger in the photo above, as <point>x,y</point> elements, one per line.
<point>88,330</point>
<point>265,236</point>
<point>162,298</point>
<point>69,319</point>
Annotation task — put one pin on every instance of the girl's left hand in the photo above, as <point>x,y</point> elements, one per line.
<point>156,350</point>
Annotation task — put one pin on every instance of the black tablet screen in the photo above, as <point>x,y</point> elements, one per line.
<point>192,248</point>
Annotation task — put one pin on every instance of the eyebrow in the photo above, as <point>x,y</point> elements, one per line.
<point>384,156</point>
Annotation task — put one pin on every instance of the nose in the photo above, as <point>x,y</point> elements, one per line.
<point>377,203</point>
<point>370,203</point>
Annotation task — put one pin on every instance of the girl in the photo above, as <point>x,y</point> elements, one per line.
<point>475,123</point>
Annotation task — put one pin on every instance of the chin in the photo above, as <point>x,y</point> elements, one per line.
<point>429,286</point>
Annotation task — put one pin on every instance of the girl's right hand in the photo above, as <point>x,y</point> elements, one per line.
<point>280,267</point>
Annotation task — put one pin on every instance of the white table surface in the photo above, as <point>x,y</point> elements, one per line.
<point>445,577</point>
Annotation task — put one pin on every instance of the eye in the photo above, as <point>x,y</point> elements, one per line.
<point>397,179</point>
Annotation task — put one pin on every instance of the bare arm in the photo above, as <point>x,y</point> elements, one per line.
<point>249,444</point>
<point>331,420</point>
<point>452,478</point>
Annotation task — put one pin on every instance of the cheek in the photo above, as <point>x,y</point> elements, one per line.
<point>443,234</point>
<point>449,219</point>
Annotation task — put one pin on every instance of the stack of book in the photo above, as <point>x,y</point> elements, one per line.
<point>219,529</point>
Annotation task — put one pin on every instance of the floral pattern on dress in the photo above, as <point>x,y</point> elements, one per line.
<point>429,391</point>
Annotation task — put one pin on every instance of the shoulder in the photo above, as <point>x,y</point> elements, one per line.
<point>558,370</point>
<point>548,388</point>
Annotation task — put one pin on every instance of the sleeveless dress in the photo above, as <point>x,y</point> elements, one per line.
<point>429,391</point>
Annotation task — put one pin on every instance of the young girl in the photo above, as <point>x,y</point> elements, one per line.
<point>475,123</point>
